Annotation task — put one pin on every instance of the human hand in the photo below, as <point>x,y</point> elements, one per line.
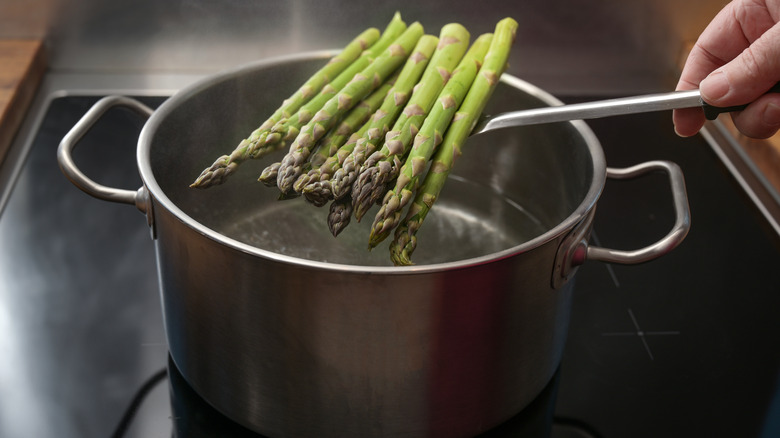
<point>736,60</point>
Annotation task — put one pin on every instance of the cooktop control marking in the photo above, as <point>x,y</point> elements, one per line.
<point>642,334</point>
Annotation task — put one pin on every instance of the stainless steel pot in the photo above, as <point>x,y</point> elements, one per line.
<point>291,332</point>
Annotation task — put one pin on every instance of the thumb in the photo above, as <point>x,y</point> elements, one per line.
<point>748,76</point>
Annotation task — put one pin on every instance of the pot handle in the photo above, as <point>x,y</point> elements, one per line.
<point>682,223</point>
<point>575,250</point>
<point>140,197</point>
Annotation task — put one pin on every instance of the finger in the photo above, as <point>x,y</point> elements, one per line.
<point>761,119</point>
<point>748,76</point>
<point>735,28</point>
<point>721,41</point>
<point>688,121</point>
<point>738,25</point>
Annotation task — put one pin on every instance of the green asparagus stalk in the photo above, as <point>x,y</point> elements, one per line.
<point>373,171</point>
<point>358,88</point>
<point>272,133</point>
<point>286,130</point>
<point>318,189</point>
<point>226,164</point>
<point>426,141</point>
<point>357,117</point>
<point>331,141</point>
<point>313,190</point>
<point>328,72</point>
<point>334,145</point>
<point>405,240</point>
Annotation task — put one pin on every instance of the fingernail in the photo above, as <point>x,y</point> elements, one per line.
<point>680,134</point>
<point>715,86</point>
<point>771,115</point>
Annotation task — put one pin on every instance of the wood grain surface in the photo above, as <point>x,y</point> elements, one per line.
<point>22,65</point>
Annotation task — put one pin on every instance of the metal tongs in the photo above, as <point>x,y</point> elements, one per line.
<point>605,108</point>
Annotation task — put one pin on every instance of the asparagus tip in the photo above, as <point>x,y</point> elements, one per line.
<point>216,173</point>
<point>339,216</point>
<point>269,174</point>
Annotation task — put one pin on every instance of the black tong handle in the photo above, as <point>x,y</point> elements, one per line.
<point>712,112</point>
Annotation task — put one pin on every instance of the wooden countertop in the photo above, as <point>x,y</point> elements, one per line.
<point>22,65</point>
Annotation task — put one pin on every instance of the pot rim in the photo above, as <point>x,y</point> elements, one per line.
<point>159,197</point>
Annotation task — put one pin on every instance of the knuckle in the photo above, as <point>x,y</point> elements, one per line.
<point>753,62</point>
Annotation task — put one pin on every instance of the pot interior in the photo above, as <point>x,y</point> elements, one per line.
<point>510,190</point>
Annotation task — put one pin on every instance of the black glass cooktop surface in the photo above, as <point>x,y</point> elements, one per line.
<point>685,345</point>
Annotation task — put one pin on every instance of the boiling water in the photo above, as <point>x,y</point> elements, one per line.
<point>468,220</point>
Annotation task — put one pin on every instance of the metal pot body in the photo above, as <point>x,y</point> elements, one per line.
<point>297,351</point>
<point>292,332</point>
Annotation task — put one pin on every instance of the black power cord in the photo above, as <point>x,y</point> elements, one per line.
<point>136,402</point>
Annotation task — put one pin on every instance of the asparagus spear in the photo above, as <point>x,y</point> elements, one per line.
<point>368,183</point>
<point>339,215</point>
<point>270,173</point>
<point>287,129</point>
<point>481,90</point>
<point>324,168</point>
<point>314,190</point>
<point>328,72</point>
<point>426,141</point>
<point>355,56</point>
<point>362,84</point>
<point>319,189</point>
<point>357,117</point>
<point>218,171</point>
